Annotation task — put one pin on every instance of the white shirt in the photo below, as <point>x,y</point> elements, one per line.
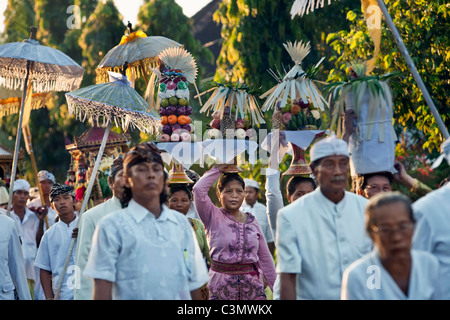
<point>52,254</point>
<point>259,211</point>
<point>318,239</point>
<point>367,279</point>
<point>27,229</point>
<point>88,222</point>
<point>12,268</point>
<point>431,233</point>
<point>274,197</point>
<point>147,258</point>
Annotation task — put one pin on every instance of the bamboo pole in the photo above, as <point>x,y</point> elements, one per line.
<point>83,207</point>
<point>27,140</point>
<point>19,134</point>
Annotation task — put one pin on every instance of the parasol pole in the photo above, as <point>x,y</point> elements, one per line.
<point>412,68</point>
<point>19,133</point>
<point>27,140</point>
<point>84,205</point>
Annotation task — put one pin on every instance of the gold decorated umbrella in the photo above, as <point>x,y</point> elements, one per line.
<point>138,50</point>
<point>33,67</point>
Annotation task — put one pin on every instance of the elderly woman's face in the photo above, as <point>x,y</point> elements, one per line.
<point>232,196</point>
<point>179,201</point>
<point>392,230</point>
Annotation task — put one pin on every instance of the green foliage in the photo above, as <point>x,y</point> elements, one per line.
<point>51,20</point>
<point>19,16</point>
<point>165,18</point>
<point>101,33</point>
<point>423,26</point>
<point>253,34</point>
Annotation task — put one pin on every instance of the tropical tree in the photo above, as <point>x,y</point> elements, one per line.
<point>423,28</point>
<point>254,32</point>
<point>102,31</point>
<point>165,18</point>
<point>19,16</point>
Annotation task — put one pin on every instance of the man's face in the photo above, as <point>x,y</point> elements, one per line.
<point>20,198</point>
<point>117,184</point>
<point>146,180</point>
<point>332,172</point>
<point>63,204</point>
<point>46,186</point>
<point>375,185</point>
<point>251,195</point>
<point>301,189</point>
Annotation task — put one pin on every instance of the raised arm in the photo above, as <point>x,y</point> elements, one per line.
<point>202,201</point>
<point>274,197</point>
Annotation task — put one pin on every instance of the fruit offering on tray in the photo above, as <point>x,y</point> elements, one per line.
<point>296,99</point>
<point>296,115</point>
<point>177,70</point>
<point>234,111</point>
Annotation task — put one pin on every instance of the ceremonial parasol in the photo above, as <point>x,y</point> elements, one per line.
<point>141,53</point>
<point>30,66</point>
<point>113,101</point>
<point>138,50</point>
<point>300,7</point>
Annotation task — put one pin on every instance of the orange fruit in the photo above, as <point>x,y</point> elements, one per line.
<point>172,119</point>
<point>184,120</point>
<point>164,120</point>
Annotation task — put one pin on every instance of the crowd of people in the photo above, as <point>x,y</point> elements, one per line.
<point>157,240</point>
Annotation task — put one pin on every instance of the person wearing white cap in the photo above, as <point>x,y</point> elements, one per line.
<point>12,268</point>
<point>322,233</point>
<point>259,210</point>
<point>4,198</point>
<point>432,213</point>
<point>30,228</point>
<point>46,181</point>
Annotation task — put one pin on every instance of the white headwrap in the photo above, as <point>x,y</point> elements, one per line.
<point>45,175</point>
<point>21,184</point>
<point>445,153</point>
<point>251,183</point>
<point>330,146</point>
<point>4,196</point>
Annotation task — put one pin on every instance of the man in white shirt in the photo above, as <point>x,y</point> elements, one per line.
<point>89,221</point>
<point>432,213</point>
<point>145,251</point>
<point>30,227</point>
<point>321,233</point>
<point>257,209</point>
<point>12,268</point>
<point>55,245</point>
<point>46,180</point>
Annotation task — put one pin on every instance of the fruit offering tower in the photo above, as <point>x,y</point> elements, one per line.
<point>177,70</point>
<point>296,100</point>
<point>234,110</point>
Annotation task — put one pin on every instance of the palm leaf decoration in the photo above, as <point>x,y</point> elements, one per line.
<point>352,91</point>
<point>296,83</point>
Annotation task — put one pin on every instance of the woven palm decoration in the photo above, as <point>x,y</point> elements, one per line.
<point>297,83</point>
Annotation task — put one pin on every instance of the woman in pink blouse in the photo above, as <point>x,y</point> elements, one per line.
<point>241,261</point>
